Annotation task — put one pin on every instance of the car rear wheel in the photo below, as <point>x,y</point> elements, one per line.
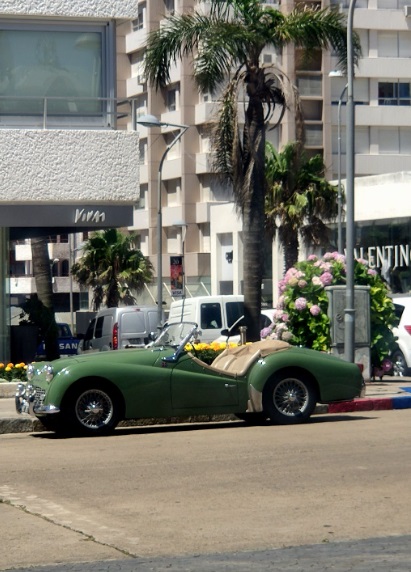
<point>289,399</point>
<point>93,410</point>
<point>399,365</point>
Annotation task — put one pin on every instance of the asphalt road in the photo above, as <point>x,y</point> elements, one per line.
<point>329,495</point>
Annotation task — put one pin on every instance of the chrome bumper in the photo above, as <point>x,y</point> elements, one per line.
<point>28,402</point>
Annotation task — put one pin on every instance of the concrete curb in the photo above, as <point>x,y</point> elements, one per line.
<point>371,404</point>
<point>8,388</point>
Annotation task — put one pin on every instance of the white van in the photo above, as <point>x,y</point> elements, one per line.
<point>118,328</point>
<point>211,313</point>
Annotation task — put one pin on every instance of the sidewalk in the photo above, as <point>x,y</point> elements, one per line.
<point>388,393</point>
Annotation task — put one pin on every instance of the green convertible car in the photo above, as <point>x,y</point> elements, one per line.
<point>269,379</point>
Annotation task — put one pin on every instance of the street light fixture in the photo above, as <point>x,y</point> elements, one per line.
<point>339,193</point>
<point>152,121</point>
<point>349,310</point>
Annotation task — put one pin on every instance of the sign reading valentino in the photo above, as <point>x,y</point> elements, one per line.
<point>392,256</point>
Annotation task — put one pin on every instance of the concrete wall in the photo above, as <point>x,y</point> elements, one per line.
<point>72,8</point>
<point>68,165</point>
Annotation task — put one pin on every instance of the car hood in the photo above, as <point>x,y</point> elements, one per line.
<point>140,356</point>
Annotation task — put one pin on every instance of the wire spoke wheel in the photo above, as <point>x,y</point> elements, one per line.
<point>290,399</point>
<point>94,410</point>
<point>399,365</point>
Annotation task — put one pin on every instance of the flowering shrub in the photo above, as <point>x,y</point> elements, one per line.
<point>208,352</point>
<point>11,371</point>
<point>301,315</point>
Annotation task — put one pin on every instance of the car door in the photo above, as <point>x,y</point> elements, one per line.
<point>197,389</point>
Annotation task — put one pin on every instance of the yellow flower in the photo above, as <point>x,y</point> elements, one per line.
<point>10,365</point>
<point>8,368</point>
<point>1,365</point>
<point>19,365</point>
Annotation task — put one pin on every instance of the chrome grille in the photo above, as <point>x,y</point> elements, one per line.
<point>39,395</point>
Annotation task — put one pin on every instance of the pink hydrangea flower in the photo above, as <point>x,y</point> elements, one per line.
<point>290,273</point>
<point>302,283</point>
<point>316,281</point>
<point>265,332</point>
<point>312,258</point>
<point>326,278</point>
<point>315,310</point>
<point>328,256</point>
<point>340,258</point>
<point>282,285</point>
<point>300,304</point>
<point>372,272</point>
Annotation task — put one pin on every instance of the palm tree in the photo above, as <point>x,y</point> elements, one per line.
<point>112,267</point>
<point>226,45</point>
<point>41,308</point>
<point>298,199</point>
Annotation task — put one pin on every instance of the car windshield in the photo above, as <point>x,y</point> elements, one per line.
<point>174,335</point>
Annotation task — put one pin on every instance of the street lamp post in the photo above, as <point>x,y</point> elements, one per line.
<point>349,310</point>
<point>339,153</point>
<point>339,196</point>
<point>152,121</point>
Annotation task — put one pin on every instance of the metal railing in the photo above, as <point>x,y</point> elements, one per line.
<point>66,112</point>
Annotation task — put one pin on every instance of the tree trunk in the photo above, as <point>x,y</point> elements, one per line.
<point>44,287</point>
<point>253,216</point>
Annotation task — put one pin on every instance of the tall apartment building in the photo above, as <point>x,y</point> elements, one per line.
<point>191,194</point>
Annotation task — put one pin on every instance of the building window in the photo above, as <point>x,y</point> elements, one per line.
<point>394,93</point>
<point>56,73</point>
<point>171,99</point>
<point>142,146</point>
<point>170,7</point>
<point>139,22</point>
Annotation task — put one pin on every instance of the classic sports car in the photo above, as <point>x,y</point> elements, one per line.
<point>269,379</point>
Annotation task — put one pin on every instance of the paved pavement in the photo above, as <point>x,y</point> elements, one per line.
<point>386,394</point>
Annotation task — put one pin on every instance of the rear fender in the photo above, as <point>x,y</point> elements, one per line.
<point>267,367</point>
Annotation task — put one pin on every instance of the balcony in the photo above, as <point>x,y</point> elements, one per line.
<point>43,112</point>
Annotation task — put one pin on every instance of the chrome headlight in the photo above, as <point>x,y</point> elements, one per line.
<point>30,371</point>
<point>48,370</point>
<point>30,391</point>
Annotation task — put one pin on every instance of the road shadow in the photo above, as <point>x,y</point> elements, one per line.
<point>184,427</point>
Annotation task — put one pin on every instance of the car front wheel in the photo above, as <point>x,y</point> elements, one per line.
<point>289,399</point>
<point>399,365</point>
<point>93,411</point>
